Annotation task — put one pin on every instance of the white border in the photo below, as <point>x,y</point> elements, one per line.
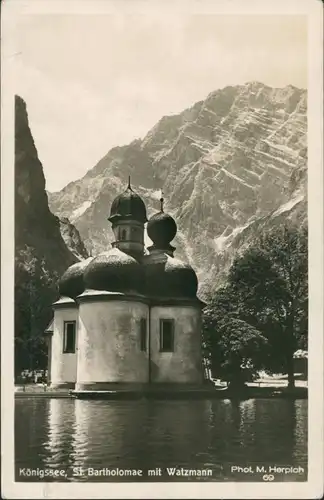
<point>313,488</point>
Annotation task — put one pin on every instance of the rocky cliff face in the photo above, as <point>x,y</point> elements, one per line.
<point>229,163</point>
<point>41,255</point>
<point>72,239</point>
<point>35,225</point>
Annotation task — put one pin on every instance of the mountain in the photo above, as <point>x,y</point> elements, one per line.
<point>230,164</point>
<point>41,253</point>
<point>72,239</point>
<point>35,225</point>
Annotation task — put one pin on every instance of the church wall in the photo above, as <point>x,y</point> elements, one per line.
<point>63,365</point>
<point>109,334</point>
<point>184,364</point>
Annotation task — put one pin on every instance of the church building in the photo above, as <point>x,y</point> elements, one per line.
<point>129,318</point>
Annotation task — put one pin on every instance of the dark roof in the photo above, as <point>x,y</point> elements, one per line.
<point>128,205</point>
<point>170,278</point>
<point>50,327</point>
<point>114,271</point>
<point>71,283</point>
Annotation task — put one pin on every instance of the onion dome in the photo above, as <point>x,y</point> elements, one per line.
<point>128,206</point>
<point>114,271</point>
<point>161,229</point>
<point>171,278</point>
<point>71,283</point>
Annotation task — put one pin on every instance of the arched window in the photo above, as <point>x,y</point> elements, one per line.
<point>123,234</point>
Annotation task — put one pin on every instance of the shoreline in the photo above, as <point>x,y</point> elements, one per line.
<point>210,393</point>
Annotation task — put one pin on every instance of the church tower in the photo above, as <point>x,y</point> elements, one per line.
<point>128,216</point>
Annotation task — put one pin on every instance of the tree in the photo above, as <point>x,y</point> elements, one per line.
<point>288,250</point>
<point>270,285</point>
<point>235,349</point>
<point>35,290</point>
<point>219,306</point>
<point>242,351</point>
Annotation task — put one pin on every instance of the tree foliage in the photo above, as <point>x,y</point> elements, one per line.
<point>236,349</point>
<point>241,351</point>
<point>35,290</point>
<point>267,289</point>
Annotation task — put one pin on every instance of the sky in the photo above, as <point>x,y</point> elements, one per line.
<point>92,82</point>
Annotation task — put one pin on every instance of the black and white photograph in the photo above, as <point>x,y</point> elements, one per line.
<point>162,235</point>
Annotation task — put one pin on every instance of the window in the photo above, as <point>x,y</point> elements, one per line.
<point>143,335</point>
<point>167,335</point>
<point>69,337</point>
<point>123,234</point>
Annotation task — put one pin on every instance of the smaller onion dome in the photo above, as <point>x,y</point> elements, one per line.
<point>129,206</point>
<point>161,229</point>
<point>170,278</point>
<point>71,283</point>
<point>114,271</point>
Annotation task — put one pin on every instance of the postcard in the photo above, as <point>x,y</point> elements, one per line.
<point>162,249</point>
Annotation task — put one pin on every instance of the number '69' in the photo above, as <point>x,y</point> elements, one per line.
<point>268,477</point>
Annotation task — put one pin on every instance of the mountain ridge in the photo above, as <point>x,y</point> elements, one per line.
<point>227,161</point>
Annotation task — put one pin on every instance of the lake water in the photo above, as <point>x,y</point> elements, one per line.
<point>212,435</point>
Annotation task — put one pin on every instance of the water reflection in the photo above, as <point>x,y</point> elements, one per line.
<point>59,443</point>
<point>147,434</point>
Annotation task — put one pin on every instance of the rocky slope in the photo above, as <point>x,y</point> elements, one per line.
<point>41,255</point>
<point>226,165</point>
<point>35,225</point>
<point>72,239</point>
